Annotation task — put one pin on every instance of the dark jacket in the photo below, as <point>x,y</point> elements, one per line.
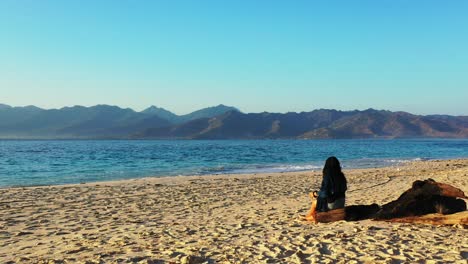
<point>332,188</point>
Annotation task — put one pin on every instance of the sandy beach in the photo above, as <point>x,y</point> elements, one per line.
<point>223,219</point>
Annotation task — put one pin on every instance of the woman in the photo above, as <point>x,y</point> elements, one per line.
<point>332,191</point>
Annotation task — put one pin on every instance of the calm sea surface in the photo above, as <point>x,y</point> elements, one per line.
<point>48,162</point>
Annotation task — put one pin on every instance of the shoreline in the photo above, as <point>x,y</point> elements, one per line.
<point>400,163</point>
<point>222,219</point>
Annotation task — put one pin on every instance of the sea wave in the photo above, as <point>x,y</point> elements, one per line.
<point>379,162</point>
<point>63,162</point>
<point>274,168</point>
<point>256,168</point>
<point>405,160</point>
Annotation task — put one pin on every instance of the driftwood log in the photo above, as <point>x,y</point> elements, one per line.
<point>460,218</point>
<point>349,213</point>
<point>427,202</point>
<point>425,197</point>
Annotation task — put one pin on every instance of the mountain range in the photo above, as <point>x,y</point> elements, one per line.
<point>221,122</point>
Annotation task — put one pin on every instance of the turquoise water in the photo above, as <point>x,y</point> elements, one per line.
<point>50,162</point>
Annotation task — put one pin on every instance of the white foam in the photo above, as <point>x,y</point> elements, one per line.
<point>273,168</point>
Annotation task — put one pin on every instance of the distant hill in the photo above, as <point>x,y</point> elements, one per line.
<point>101,121</point>
<point>202,113</point>
<point>4,106</point>
<point>162,113</point>
<point>207,113</point>
<point>222,122</point>
<point>318,124</point>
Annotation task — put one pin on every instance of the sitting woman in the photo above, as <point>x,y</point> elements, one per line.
<point>332,191</point>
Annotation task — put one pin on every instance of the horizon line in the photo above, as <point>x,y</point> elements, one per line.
<point>221,105</point>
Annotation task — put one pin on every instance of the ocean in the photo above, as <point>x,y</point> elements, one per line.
<point>53,162</point>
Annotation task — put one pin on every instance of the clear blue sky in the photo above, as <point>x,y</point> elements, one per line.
<point>275,56</point>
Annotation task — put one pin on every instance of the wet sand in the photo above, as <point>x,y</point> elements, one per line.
<point>223,219</point>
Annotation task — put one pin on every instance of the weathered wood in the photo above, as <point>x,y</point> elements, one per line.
<point>349,213</point>
<point>425,197</point>
<point>450,191</point>
<point>435,219</point>
<point>331,216</point>
<point>361,212</point>
<point>416,205</point>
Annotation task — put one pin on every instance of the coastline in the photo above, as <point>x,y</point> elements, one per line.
<point>391,163</point>
<point>222,218</point>
<point>42,163</point>
<point>175,179</point>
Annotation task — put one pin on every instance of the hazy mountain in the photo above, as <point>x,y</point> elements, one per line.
<point>162,113</point>
<point>4,106</point>
<point>222,122</point>
<point>10,117</point>
<point>101,121</point>
<point>318,124</point>
<point>207,113</point>
<point>202,113</point>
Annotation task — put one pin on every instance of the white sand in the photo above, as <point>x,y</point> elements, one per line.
<point>223,219</point>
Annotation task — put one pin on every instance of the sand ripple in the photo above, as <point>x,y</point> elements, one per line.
<point>222,219</point>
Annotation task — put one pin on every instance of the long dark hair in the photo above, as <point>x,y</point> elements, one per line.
<point>332,169</point>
